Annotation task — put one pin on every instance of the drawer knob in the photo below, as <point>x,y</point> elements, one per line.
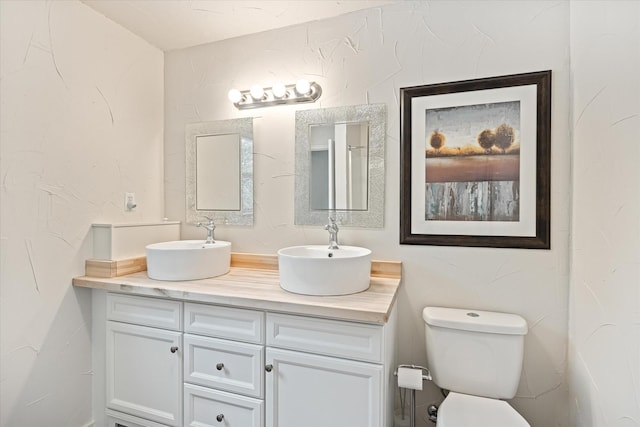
<point>268,368</point>
<point>220,418</point>
<point>173,349</point>
<point>219,366</point>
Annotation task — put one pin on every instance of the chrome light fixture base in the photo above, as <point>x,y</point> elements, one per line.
<point>269,99</point>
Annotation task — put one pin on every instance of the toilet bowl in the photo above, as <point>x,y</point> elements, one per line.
<point>464,410</point>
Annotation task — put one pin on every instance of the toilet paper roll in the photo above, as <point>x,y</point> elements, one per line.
<point>410,378</point>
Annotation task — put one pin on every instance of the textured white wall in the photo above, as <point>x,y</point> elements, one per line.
<point>365,57</point>
<point>604,344</point>
<point>81,122</point>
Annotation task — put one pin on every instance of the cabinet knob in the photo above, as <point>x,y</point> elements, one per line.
<point>268,368</point>
<point>220,418</point>
<point>219,366</point>
<point>173,349</point>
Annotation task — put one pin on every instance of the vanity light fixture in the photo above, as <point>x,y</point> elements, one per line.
<point>234,96</point>
<point>278,94</point>
<point>279,90</point>
<point>303,87</point>
<point>257,93</point>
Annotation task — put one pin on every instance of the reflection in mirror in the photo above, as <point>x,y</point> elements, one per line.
<point>339,158</point>
<point>219,171</point>
<point>340,165</point>
<point>218,161</point>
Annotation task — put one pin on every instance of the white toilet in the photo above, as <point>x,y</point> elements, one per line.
<point>477,356</point>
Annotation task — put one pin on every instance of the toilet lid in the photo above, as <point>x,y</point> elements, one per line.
<point>463,410</point>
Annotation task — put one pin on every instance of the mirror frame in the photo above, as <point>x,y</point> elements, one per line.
<point>243,127</point>
<point>376,117</point>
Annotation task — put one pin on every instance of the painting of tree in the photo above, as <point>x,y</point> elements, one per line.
<point>475,176</point>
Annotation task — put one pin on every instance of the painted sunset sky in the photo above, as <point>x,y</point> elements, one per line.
<point>462,124</point>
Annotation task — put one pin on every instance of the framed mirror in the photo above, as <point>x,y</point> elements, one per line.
<point>340,165</point>
<point>219,171</point>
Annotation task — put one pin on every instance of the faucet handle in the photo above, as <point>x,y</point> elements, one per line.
<point>332,226</point>
<point>210,223</point>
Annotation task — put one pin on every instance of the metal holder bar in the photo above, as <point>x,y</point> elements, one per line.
<point>412,398</point>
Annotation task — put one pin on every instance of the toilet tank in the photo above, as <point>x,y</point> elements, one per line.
<point>475,352</point>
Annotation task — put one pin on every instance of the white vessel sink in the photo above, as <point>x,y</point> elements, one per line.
<point>316,270</point>
<point>187,259</point>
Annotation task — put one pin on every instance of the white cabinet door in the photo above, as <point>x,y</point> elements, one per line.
<point>144,372</point>
<point>317,391</point>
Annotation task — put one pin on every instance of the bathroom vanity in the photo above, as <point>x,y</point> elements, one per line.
<point>238,351</point>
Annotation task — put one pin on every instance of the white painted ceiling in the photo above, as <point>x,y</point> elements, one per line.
<point>176,24</point>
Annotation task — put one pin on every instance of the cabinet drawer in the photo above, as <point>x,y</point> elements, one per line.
<point>155,312</point>
<point>224,322</point>
<point>225,365</point>
<point>356,341</point>
<point>120,419</point>
<point>205,407</point>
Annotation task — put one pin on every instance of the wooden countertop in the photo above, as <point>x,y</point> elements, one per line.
<point>258,287</point>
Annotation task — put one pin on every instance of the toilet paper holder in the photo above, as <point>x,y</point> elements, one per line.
<point>426,375</point>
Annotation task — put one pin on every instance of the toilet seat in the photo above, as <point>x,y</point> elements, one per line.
<point>464,410</point>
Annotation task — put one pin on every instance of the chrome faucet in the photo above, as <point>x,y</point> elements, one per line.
<point>209,226</point>
<point>333,229</point>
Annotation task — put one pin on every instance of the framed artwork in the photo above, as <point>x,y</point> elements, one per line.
<point>475,162</point>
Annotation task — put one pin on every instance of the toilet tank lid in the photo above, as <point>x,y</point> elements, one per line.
<point>475,320</point>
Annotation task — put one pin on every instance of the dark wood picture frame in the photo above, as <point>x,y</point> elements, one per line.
<point>538,96</point>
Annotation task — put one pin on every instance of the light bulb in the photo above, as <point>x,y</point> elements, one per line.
<point>303,87</point>
<point>279,90</point>
<point>257,92</point>
<point>234,96</point>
